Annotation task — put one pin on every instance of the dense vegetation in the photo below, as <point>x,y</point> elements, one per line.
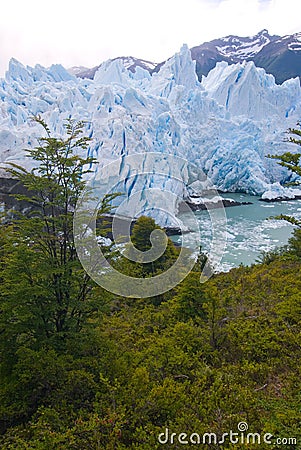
<point>84,369</point>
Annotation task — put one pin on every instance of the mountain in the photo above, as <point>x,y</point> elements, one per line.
<point>279,56</point>
<point>224,125</point>
<point>128,61</point>
<point>77,70</point>
<point>232,49</point>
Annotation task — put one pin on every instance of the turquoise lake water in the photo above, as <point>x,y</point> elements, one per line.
<point>249,229</point>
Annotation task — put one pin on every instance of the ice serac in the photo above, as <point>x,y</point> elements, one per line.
<point>225,125</point>
<point>19,73</point>
<point>177,71</point>
<point>245,90</point>
<point>112,72</point>
<point>276,192</point>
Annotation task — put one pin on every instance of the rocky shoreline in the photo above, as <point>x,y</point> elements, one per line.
<point>9,186</point>
<point>221,202</point>
<point>193,205</point>
<point>279,199</point>
<point>106,220</point>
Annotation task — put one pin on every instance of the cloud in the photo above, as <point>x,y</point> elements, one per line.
<point>86,33</point>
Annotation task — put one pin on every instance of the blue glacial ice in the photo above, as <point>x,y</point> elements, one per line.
<point>225,125</point>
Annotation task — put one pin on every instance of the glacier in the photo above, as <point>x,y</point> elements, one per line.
<point>225,125</point>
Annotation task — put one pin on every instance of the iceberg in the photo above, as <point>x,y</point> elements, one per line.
<point>278,192</point>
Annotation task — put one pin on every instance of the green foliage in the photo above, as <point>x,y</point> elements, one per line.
<point>289,219</point>
<point>133,264</point>
<point>202,358</point>
<point>141,232</point>
<point>45,292</point>
<point>190,299</point>
<point>234,355</point>
<point>272,255</point>
<point>141,235</point>
<point>295,243</point>
<point>291,161</point>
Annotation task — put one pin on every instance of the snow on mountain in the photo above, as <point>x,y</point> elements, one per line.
<point>289,41</point>
<point>295,44</point>
<point>77,70</point>
<point>129,62</point>
<point>231,49</point>
<point>225,125</point>
<point>279,56</point>
<point>243,48</point>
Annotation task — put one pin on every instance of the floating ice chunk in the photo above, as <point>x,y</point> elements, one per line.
<point>276,191</point>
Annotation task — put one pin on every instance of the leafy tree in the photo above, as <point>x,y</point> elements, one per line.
<point>141,240</point>
<point>295,243</point>
<point>190,298</point>
<point>291,161</point>
<point>141,234</point>
<point>45,291</point>
<point>267,257</point>
<point>235,358</point>
<point>206,357</point>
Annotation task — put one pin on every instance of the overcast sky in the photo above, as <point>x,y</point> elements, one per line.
<point>88,32</point>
